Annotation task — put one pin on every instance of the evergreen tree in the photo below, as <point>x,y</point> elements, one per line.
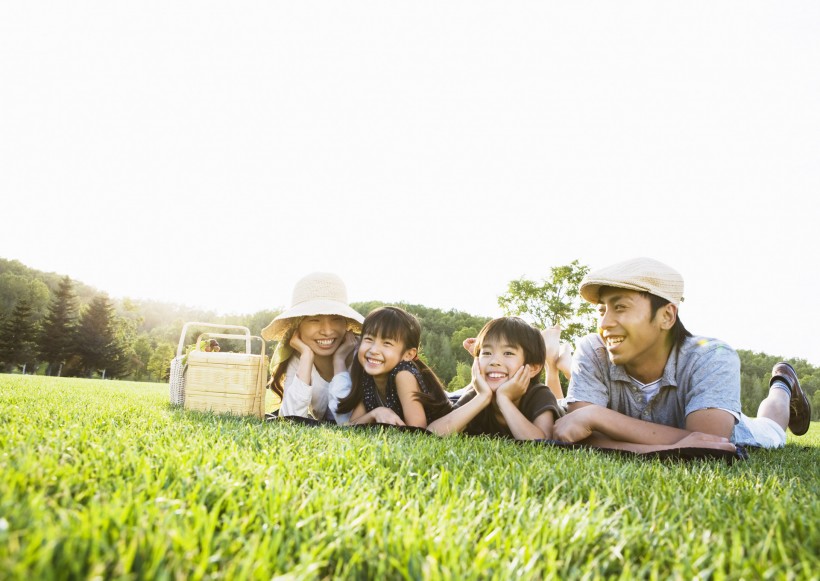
<point>18,334</point>
<point>57,339</point>
<point>97,343</point>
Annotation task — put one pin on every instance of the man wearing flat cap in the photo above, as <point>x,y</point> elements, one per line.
<point>645,383</point>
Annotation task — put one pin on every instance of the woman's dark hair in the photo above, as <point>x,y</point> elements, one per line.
<point>678,331</point>
<point>515,331</point>
<point>277,380</point>
<point>399,325</point>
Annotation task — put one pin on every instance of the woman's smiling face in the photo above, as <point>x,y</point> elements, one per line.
<point>323,333</point>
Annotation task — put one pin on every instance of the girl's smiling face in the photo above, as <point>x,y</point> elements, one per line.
<point>378,356</point>
<point>323,333</point>
<point>498,360</point>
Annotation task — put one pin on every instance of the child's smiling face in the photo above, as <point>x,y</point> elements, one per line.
<point>378,356</point>
<point>323,333</point>
<point>498,360</point>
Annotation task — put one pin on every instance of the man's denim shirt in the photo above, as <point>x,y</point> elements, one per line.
<point>700,373</point>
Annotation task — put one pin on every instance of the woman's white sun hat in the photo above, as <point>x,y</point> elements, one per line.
<point>319,293</point>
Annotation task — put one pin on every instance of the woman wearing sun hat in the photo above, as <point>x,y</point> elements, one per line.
<point>316,338</point>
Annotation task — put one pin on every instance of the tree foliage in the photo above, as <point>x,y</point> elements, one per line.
<point>18,338</point>
<point>159,366</point>
<point>462,377</point>
<point>17,287</point>
<point>98,343</point>
<point>57,339</point>
<point>148,331</point>
<point>554,300</point>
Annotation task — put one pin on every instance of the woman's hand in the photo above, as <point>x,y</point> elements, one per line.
<point>298,345</point>
<point>347,347</point>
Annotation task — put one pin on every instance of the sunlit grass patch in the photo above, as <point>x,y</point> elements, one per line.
<point>105,479</point>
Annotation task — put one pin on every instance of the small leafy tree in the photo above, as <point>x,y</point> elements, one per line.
<point>57,339</point>
<point>142,348</point>
<point>462,377</point>
<point>159,366</point>
<point>457,345</point>
<point>555,300</point>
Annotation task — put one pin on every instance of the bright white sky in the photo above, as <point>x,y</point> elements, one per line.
<point>211,154</point>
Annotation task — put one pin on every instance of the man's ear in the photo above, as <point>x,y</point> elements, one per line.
<point>668,315</point>
<point>535,369</point>
<point>410,354</point>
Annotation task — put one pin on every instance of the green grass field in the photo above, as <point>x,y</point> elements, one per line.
<point>103,479</point>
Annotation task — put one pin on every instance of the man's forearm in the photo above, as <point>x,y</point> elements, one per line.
<point>617,426</point>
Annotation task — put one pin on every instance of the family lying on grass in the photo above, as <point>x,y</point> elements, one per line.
<point>643,383</point>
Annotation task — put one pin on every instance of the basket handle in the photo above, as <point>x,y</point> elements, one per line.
<point>185,327</point>
<point>227,336</point>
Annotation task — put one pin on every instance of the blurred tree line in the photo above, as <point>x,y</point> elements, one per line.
<point>52,325</point>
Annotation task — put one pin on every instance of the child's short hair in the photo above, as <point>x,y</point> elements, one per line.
<point>515,331</point>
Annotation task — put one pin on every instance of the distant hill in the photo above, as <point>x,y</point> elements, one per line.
<point>151,329</point>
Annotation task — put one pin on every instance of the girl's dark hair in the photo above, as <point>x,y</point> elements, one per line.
<point>399,325</point>
<point>515,331</point>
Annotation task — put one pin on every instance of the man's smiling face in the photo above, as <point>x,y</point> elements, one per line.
<point>634,338</point>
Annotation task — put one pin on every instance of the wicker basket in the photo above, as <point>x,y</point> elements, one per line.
<point>176,382</point>
<point>227,382</point>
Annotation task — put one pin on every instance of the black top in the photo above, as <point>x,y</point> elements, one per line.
<point>535,402</point>
<point>372,399</point>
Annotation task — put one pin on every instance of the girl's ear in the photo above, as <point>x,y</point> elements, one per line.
<point>410,354</point>
<point>535,369</point>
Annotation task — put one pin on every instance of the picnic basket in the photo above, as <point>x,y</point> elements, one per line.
<point>220,381</point>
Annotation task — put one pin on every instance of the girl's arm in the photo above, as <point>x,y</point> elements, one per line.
<point>305,370</point>
<point>343,352</point>
<point>380,415</point>
<point>457,420</point>
<point>297,395</point>
<point>339,389</point>
<point>520,426</point>
<point>340,384</point>
<point>407,386</point>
